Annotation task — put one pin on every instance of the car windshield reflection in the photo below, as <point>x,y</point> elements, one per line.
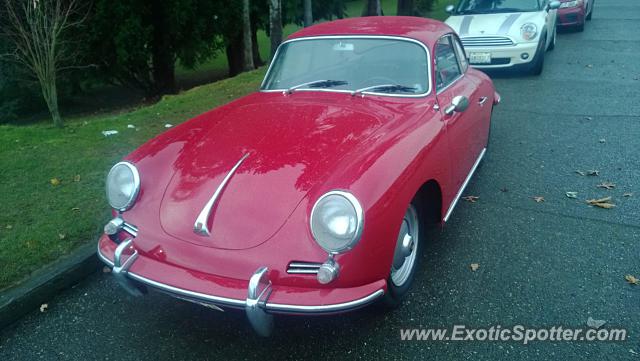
<point>372,65</point>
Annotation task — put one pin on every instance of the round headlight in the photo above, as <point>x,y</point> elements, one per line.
<point>123,185</point>
<point>529,31</point>
<point>336,221</point>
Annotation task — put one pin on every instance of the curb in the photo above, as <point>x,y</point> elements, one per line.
<point>45,283</point>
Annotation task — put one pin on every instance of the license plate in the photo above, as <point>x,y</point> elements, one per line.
<point>480,58</point>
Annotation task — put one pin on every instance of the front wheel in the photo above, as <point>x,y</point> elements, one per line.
<point>405,258</point>
<point>552,45</point>
<point>538,60</point>
<point>591,9</point>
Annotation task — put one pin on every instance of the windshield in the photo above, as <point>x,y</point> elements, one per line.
<point>496,6</point>
<point>375,65</point>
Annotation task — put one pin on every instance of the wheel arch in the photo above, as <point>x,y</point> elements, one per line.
<point>428,199</point>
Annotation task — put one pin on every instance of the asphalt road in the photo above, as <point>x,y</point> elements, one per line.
<point>554,263</point>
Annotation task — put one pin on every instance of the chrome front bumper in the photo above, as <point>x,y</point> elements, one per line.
<point>257,306</point>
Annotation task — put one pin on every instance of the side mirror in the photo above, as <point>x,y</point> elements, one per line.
<point>449,9</point>
<point>555,4</point>
<point>458,104</point>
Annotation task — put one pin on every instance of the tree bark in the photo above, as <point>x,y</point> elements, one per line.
<point>247,44</point>
<point>235,54</point>
<point>162,56</point>
<point>372,8</point>
<point>257,60</point>
<point>275,25</point>
<point>308,13</point>
<point>405,8</point>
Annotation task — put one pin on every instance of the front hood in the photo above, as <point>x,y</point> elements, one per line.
<point>292,143</point>
<point>502,24</point>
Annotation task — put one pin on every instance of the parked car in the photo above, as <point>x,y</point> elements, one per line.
<point>505,33</point>
<point>311,195</point>
<point>575,13</point>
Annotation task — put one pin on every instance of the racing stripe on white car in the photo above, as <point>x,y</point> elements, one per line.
<point>507,24</point>
<point>464,25</point>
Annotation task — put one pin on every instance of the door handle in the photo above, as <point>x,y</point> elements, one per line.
<point>482,100</point>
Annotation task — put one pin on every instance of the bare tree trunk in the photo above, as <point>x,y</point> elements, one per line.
<point>405,8</point>
<point>275,24</point>
<point>308,13</point>
<point>35,31</point>
<point>246,37</point>
<point>372,8</point>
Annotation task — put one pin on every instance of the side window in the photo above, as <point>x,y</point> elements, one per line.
<point>464,63</point>
<point>447,66</point>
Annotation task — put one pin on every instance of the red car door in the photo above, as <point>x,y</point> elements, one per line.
<point>466,140</point>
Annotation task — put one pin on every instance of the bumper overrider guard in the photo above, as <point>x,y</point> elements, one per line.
<point>257,306</point>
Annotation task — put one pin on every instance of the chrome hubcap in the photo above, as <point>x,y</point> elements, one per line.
<point>404,257</point>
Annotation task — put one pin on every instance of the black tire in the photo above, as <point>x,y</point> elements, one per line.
<point>552,45</point>
<point>580,27</point>
<point>395,294</point>
<point>590,10</point>
<point>537,65</point>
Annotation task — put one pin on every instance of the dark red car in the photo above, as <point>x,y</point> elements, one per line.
<point>310,195</point>
<point>575,13</point>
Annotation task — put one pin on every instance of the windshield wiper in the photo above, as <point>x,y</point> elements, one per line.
<point>385,88</point>
<point>317,84</point>
<point>465,12</point>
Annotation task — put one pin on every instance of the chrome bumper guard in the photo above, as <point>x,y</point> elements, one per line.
<point>258,309</point>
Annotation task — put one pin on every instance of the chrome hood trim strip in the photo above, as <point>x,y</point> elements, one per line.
<point>200,226</point>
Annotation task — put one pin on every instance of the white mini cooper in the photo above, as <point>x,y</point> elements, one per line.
<point>505,33</point>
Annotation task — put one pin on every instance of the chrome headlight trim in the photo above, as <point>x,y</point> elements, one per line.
<point>136,186</point>
<point>359,214</point>
<point>529,28</point>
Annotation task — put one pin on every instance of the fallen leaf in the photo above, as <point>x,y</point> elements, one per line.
<point>75,209</point>
<point>43,307</point>
<point>55,181</point>
<point>168,125</point>
<point>471,199</point>
<point>131,126</point>
<point>62,235</point>
<point>587,118</point>
<point>632,280</point>
<point>572,194</point>
<point>106,269</point>
<point>504,190</point>
<point>9,226</point>
<point>474,266</point>
<point>627,195</point>
<point>538,199</point>
<point>593,173</point>
<point>76,178</point>
<point>602,140</point>
<point>588,66</point>
<point>581,173</point>
<point>595,323</point>
<point>602,203</point>
<point>601,200</point>
<point>606,185</point>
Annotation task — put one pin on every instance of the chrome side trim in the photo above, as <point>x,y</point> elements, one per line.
<point>271,307</point>
<point>304,268</point>
<point>384,37</point>
<point>130,228</point>
<point>464,185</point>
<point>339,307</point>
<point>200,226</point>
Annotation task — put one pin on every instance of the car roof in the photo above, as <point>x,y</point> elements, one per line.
<point>424,30</point>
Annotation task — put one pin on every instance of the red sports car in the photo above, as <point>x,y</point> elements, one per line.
<point>574,13</point>
<point>310,195</point>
